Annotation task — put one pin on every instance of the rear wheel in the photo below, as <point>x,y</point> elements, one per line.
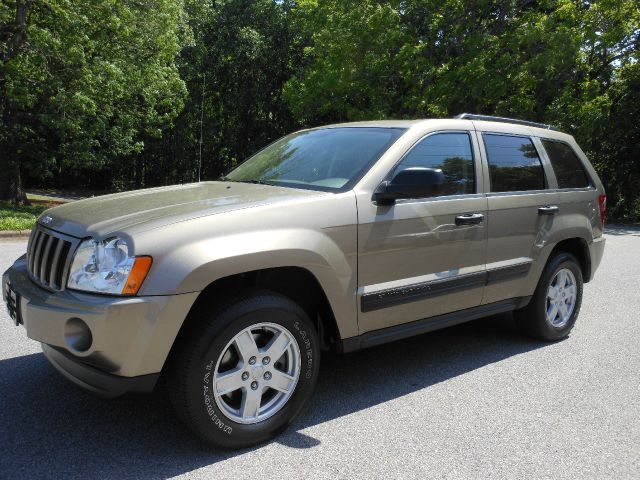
<point>244,373</point>
<point>554,307</point>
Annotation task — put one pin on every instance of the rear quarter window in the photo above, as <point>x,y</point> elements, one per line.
<point>566,165</point>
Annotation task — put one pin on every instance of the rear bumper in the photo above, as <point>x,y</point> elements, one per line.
<point>108,345</point>
<point>596,251</point>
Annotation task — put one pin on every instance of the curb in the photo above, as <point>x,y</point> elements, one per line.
<point>15,234</point>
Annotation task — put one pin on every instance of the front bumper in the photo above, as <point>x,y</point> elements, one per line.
<point>107,345</point>
<point>96,381</point>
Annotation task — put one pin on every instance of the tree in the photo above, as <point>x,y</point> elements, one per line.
<point>351,68</point>
<point>564,62</point>
<point>13,20</point>
<point>85,82</point>
<point>242,55</point>
<point>114,94</point>
<point>602,101</point>
<point>432,58</point>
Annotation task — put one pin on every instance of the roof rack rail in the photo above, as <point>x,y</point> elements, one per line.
<point>489,118</point>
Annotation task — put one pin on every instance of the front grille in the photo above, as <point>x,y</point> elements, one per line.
<point>49,257</point>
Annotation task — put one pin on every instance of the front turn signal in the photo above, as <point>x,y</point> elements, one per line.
<point>141,266</point>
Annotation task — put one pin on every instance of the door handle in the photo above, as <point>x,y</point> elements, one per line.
<point>548,210</point>
<point>469,219</point>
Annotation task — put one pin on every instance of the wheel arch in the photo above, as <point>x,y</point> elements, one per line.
<point>295,283</point>
<point>578,247</point>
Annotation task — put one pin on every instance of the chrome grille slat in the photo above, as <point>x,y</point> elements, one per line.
<point>32,235</point>
<point>45,259</point>
<point>37,253</point>
<point>66,264</point>
<point>49,257</point>
<point>31,248</point>
<point>55,266</point>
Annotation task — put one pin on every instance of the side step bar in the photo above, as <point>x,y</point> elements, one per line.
<point>406,330</point>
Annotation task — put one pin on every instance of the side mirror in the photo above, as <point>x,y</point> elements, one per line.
<point>412,182</point>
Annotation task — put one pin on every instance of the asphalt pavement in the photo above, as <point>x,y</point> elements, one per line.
<point>473,401</point>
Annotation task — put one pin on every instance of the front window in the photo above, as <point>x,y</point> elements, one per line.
<point>450,152</point>
<point>330,159</point>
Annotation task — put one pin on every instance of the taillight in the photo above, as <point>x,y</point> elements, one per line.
<point>602,203</point>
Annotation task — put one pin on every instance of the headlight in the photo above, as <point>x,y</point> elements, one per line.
<point>107,267</point>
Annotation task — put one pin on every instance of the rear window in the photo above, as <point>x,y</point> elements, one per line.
<point>514,164</point>
<point>566,164</point>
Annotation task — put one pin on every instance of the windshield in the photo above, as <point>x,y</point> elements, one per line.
<point>323,159</point>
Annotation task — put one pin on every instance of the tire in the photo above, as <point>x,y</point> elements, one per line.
<point>215,355</point>
<point>534,319</point>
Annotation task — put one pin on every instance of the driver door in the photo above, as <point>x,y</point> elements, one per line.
<point>422,257</point>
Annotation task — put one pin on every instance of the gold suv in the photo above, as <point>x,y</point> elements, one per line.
<point>339,237</point>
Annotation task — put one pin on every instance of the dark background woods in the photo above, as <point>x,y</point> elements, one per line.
<point>104,95</point>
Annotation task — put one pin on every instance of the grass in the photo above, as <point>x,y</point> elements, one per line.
<point>21,217</point>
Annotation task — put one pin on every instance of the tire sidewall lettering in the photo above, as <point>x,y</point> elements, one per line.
<point>308,348</point>
<point>209,409</point>
<point>209,402</point>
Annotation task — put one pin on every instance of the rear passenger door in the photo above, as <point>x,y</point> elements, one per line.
<point>520,212</point>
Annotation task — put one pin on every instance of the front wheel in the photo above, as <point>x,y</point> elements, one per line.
<point>243,374</point>
<point>554,307</point>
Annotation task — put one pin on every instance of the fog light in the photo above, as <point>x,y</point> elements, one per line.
<point>77,334</point>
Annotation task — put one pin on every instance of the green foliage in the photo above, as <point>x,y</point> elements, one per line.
<point>90,82</point>
<point>565,62</point>
<point>19,217</point>
<point>372,59</point>
<point>611,138</point>
<point>352,65</point>
<point>113,94</point>
<point>242,56</point>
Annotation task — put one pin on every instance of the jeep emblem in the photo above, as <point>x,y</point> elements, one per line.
<point>47,219</point>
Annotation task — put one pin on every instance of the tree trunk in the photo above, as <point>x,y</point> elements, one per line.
<point>11,184</point>
<point>14,37</point>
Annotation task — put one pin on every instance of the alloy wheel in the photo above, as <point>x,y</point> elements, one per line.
<point>561,298</point>
<point>257,373</point>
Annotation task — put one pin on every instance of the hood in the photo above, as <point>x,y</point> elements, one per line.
<point>156,207</point>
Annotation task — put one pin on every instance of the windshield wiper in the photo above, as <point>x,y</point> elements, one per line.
<point>253,181</point>
<point>256,182</point>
